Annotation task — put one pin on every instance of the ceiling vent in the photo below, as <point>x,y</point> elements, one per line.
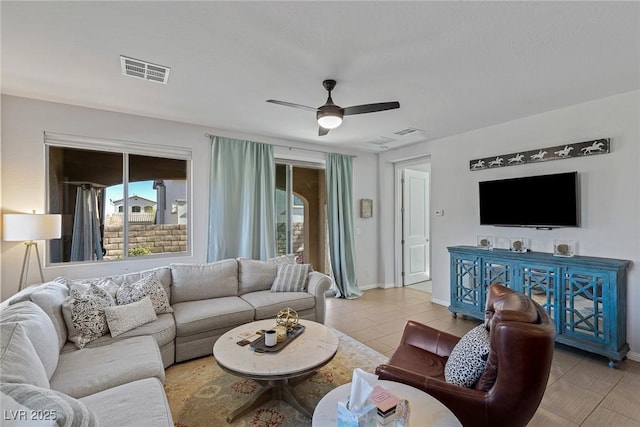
<point>408,131</point>
<point>144,70</point>
<point>381,140</point>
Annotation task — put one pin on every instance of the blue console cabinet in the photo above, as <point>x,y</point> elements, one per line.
<point>586,296</point>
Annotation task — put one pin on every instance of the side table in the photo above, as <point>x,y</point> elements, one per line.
<point>425,410</point>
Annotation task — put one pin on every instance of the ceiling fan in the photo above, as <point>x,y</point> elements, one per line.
<point>330,115</point>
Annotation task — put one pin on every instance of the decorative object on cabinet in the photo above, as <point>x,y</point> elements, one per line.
<point>586,296</point>
<point>366,208</point>
<point>564,248</point>
<point>518,244</point>
<point>556,152</point>
<point>485,242</point>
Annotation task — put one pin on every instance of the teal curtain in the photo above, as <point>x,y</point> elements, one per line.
<point>241,200</point>
<point>340,221</point>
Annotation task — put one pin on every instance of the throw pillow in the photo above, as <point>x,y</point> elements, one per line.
<point>83,285</point>
<point>39,329</point>
<point>123,318</point>
<point>291,278</point>
<point>84,311</point>
<point>19,362</point>
<point>64,410</point>
<point>50,299</point>
<point>147,286</point>
<point>468,358</point>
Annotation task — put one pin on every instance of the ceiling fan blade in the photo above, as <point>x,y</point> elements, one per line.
<point>291,104</point>
<point>370,108</point>
<point>322,131</point>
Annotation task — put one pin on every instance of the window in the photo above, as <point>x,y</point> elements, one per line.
<point>113,200</point>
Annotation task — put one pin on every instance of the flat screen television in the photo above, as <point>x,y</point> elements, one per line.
<point>542,201</point>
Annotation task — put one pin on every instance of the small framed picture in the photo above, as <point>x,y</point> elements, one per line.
<point>366,208</point>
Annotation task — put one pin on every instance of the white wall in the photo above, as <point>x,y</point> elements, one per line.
<point>609,186</point>
<point>23,178</point>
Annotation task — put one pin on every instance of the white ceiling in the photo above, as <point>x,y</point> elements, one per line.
<point>453,66</point>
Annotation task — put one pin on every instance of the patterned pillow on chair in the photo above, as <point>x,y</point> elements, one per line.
<point>468,358</point>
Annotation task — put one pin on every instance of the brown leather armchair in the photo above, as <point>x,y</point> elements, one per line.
<point>509,392</point>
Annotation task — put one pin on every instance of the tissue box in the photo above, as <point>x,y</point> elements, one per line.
<point>366,417</point>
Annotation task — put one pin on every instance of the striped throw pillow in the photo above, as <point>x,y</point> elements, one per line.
<point>291,278</point>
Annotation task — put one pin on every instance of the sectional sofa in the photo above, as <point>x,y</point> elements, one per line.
<point>51,370</point>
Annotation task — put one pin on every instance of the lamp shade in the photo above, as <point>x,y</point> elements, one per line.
<point>22,227</point>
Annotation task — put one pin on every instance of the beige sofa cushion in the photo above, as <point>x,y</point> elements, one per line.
<point>135,404</point>
<point>93,369</point>
<point>39,329</point>
<point>162,273</point>
<point>19,362</point>
<point>192,282</point>
<point>267,304</point>
<point>163,330</point>
<point>255,275</point>
<point>194,317</point>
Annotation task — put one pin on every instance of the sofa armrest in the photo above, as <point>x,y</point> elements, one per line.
<point>318,285</point>
<point>429,339</point>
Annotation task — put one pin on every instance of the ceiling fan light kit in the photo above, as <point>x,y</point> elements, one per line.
<point>330,115</point>
<point>329,118</point>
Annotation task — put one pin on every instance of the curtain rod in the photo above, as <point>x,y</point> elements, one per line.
<point>208,135</point>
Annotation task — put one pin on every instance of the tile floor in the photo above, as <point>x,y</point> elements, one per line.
<point>582,390</point>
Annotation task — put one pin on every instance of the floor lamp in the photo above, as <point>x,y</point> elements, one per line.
<point>29,228</point>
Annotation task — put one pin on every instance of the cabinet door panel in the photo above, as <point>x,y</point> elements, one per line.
<point>584,305</point>
<point>467,289</point>
<point>497,272</point>
<point>539,283</point>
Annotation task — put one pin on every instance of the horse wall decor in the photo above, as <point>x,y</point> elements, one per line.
<point>557,152</point>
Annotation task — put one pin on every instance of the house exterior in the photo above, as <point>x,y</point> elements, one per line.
<point>141,211</point>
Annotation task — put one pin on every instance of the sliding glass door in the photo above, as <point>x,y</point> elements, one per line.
<point>300,213</point>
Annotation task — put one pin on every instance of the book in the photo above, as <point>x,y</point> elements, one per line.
<point>384,400</point>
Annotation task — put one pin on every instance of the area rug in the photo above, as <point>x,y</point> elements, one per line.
<point>201,394</point>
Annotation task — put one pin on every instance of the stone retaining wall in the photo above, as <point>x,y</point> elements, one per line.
<point>145,239</point>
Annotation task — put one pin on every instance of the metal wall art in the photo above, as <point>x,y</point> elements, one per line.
<point>558,152</point>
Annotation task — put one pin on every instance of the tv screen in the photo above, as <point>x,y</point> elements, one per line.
<point>543,201</point>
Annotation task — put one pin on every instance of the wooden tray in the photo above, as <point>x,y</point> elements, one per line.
<point>259,346</point>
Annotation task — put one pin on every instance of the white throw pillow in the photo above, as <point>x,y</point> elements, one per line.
<point>468,358</point>
<point>291,278</point>
<point>147,286</point>
<point>123,318</point>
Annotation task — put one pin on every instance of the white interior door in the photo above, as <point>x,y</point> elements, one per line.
<point>415,233</point>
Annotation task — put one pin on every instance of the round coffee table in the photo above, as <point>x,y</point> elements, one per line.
<point>277,372</point>
<point>425,410</point>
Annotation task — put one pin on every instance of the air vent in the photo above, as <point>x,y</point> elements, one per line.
<point>381,140</point>
<point>144,70</point>
<point>408,131</point>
